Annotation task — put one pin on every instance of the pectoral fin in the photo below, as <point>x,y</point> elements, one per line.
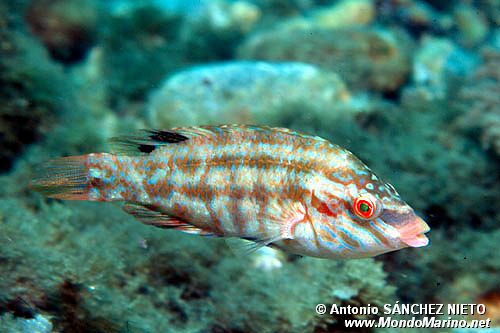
<point>249,245</point>
<point>281,220</point>
<point>285,217</point>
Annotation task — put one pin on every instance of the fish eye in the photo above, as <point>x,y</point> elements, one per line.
<point>366,207</point>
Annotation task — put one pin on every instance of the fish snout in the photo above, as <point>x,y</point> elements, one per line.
<point>411,227</point>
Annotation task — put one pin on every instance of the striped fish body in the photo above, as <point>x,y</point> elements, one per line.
<point>270,185</point>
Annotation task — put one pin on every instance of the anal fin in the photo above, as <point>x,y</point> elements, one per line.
<point>150,216</point>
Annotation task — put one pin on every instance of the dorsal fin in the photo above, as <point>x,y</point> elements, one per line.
<point>145,141</point>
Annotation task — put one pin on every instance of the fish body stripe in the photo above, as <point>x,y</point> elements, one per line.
<point>236,171</point>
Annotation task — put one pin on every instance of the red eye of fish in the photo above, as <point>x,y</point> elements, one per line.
<point>364,207</point>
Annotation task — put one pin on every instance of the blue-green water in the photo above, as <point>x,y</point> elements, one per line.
<point>410,87</point>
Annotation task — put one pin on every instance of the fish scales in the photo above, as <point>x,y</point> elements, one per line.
<point>238,176</point>
<point>274,186</point>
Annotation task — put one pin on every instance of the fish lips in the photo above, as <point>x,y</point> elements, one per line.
<point>411,227</point>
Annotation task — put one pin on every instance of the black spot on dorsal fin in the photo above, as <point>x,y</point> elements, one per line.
<point>146,142</point>
<point>146,148</point>
<point>166,136</point>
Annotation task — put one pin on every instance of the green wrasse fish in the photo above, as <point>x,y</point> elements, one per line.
<point>273,186</point>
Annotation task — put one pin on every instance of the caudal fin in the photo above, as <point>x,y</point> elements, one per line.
<point>64,178</point>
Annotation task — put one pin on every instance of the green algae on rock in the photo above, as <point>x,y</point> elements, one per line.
<point>68,28</point>
<point>141,37</point>
<point>344,13</point>
<point>137,43</point>
<point>372,58</point>
<point>149,281</point>
<point>31,91</point>
<point>459,271</point>
<point>439,65</point>
<point>471,24</point>
<point>479,100</point>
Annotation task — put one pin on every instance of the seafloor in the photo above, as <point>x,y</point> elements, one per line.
<point>412,87</point>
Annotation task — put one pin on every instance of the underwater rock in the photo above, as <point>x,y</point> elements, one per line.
<point>430,60</point>
<point>366,58</point>
<point>479,99</point>
<point>436,62</point>
<point>213,33</point>
<point>458,268</point>
<point>219,14</point>
<point>67,28</point>
<point>38,324</point>
<point>242,92</point>
<point>471,24</point>
<point>124,7</point>
<point>345,13</point>
<point>417,16</point>
<point>491,9</point>
<point>230,16</point>
<point>495,39</point>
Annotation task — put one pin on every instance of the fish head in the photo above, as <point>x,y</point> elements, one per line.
<point>362,216</point>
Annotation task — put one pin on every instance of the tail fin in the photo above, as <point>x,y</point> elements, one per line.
<point>64,178</point>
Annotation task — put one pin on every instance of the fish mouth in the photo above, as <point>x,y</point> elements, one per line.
<point>412,233</point>
<point>411,229</point>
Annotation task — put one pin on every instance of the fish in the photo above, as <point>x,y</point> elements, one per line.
<point>272,186</point>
